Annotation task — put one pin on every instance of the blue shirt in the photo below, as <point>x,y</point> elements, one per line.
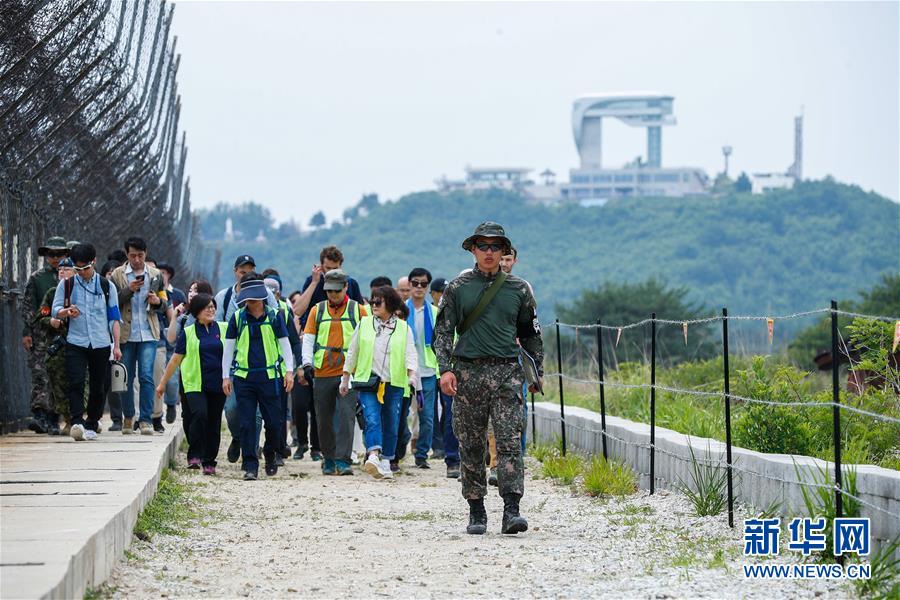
<point>140,318</point>
<point>93,327</point>
<point>210,355</point>
<point>256,354</point>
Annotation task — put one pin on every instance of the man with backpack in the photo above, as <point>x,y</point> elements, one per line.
<point>91,305</point>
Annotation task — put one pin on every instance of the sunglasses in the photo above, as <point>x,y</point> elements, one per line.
<point>377,302</point>
<point>419,284</point>
<point>484,247</point>
<point>84,268</point>
<point>56,254</point>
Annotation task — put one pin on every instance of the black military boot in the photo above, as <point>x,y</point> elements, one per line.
<point>38,422</point>
<point>512,521</point>
<point>53,424</point>
<point>477,517</point>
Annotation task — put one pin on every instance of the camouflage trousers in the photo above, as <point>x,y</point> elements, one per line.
<point>489,389</point>
<point>59,384</point>
<point>40,382</point>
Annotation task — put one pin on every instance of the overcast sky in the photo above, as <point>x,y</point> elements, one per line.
<point>306,106</point>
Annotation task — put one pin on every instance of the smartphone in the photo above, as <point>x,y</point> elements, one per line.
<point>139,278</point>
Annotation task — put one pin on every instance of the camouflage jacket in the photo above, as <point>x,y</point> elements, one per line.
<point>511,316</point>
<point>36,288</point>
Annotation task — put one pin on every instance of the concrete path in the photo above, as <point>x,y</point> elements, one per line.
<point>67,509</point>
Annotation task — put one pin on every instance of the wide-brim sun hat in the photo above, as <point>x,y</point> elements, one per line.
<point>487,229</point>
<point>54,244</point>
<point>252,290</point>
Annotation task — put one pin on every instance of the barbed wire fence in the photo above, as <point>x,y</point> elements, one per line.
<point>839,349</point>
<point>90,148</point>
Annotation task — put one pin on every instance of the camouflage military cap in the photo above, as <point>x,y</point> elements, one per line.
<point>54,244</point>
<point>486,229</point>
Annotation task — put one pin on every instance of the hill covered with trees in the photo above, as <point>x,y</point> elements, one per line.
<point>786,251</point>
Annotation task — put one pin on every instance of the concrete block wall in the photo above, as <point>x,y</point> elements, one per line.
<point>763,481</point>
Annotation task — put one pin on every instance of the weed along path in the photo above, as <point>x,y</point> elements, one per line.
<point>305,535</point>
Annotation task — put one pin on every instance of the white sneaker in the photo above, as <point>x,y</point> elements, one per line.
<point>77,432</point>
<point>90,434</point>
<point>384,467</point>
<point>373,466</point>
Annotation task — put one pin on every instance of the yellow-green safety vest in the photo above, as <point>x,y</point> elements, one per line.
<point>430,358</point>
<point>348,320</point>
<point>191,376</point>
<point>396,353</point>
<point>283,306</point>
<point>241,365</point>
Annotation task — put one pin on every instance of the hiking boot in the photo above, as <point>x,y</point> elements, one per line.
<point>492,477</point>
<point>373,466</point>
<point>145,427</point>
<point>342,467</point>
<point>250,476</point>
<point>128,426</point>
<point>38,422</point>
<point>170,414</point>
<point>279,461</point>
<point>395,466</point>
<point>157,425</point>
<point>137,425</point>
<point>298,455</point>
<point>512,522</point>
<point>422,463</point>
<point>193,463</point>
<point>234,451</point>
<point>452,471</point>
<point>315,456</point>
<point>53,424</point>
<point>328,466</point>
<point>77,432</point>
<point>116,426</point>
<point>285,453</point>
<point>67,429</point>
<point>477,518</point>
<point>271,469</point>
<point>90,435</point>
<point>209,470</point>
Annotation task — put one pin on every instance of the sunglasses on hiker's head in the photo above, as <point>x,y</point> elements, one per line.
<point>419,284</point>
<point>484,246</point>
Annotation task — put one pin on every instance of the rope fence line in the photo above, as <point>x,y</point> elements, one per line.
<point>721,463</point>
<point>838,346</point>
<point>717,318</point>
<point>702,394</point>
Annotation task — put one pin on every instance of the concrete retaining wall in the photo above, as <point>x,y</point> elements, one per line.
<point>764,481</point>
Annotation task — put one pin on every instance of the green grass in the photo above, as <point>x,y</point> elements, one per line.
<point>706,486</point>
<point>171,511</point>
<point>885,575</point>
<point>542,452</point>
<point>562,469</point>
<point>608,478</point>
<point>786,430</point>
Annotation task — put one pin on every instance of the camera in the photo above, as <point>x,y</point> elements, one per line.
<point>55,345</point>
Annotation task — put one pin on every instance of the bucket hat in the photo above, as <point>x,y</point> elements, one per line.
<point>486,229</point>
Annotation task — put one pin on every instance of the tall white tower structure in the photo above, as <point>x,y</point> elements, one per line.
<point>650,110</point>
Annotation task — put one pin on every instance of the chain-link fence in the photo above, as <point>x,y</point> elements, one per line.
<point>90,148</point>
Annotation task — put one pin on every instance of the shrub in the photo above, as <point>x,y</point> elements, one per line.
<point>608,478</point>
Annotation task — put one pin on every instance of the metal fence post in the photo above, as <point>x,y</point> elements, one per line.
<point>562,403</point>
<point>652,402</point>
<point>602,385</point>
<point>727,416</point>
<point>836,406</point>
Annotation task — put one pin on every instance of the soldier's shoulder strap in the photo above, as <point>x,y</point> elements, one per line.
<point>486,298</point>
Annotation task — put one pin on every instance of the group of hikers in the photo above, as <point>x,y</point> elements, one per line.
<point>432,365</point>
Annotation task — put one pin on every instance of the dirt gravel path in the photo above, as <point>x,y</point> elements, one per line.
<point>305,535</point>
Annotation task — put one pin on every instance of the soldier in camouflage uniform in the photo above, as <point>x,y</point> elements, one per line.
<point>483,373</point>
<point>36,287</point>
